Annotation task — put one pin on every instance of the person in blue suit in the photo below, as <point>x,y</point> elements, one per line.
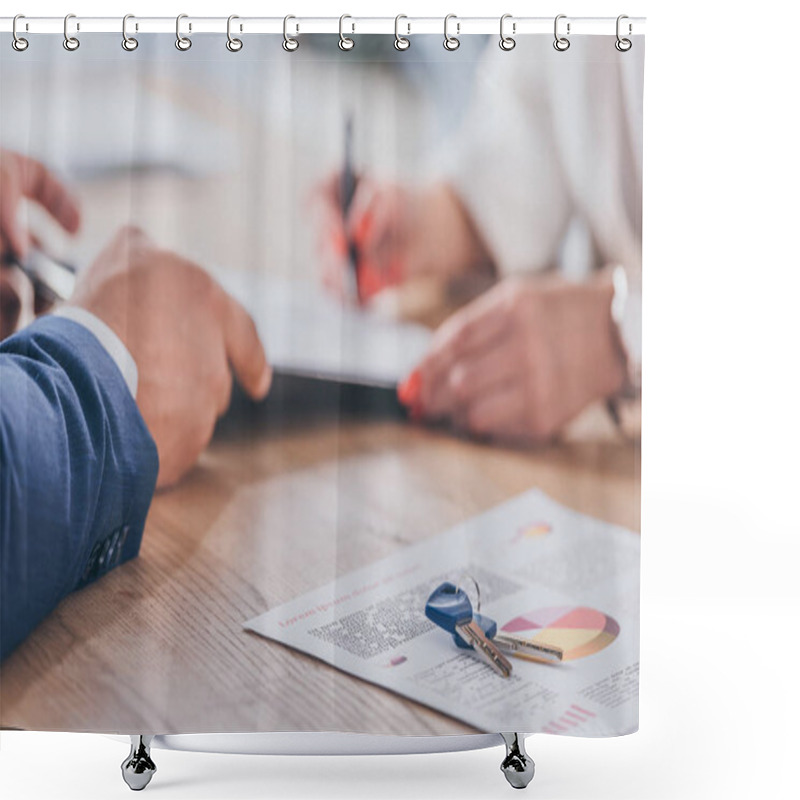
<point>112,395</point>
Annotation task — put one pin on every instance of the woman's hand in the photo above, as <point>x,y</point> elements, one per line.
<point>521,360</point>
<point>396,232</point>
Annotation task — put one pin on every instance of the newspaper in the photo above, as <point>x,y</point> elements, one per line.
<point>544,571</point>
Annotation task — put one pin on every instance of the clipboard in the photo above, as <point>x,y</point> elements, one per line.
<point>328,358</point>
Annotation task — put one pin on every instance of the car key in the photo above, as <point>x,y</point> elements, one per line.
<point>450,608</point>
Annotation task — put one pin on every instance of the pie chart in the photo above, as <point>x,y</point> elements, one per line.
<point>578,631</point>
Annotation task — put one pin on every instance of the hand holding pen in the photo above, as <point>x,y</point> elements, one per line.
<point>364,235</point>
<point>370,232</point>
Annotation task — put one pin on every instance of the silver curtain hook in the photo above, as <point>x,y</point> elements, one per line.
<point>451,42</point>
<point>623,44</point>
<point>345,43</point>
<point>182,42</point>
<point>561,43</point>
<point>71,43</point>
<point>233,44</point>
<point>18,43</point>
<point>290,43</point>
<point>129,43</point>
<point>401,42</point>
<point>507,42</point>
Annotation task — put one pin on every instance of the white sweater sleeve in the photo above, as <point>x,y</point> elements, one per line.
<point>505,167</point>
<point>551,137</point>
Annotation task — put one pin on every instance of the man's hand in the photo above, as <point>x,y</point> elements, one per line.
<point>17,300</point>
<point>521,360</point>
<point>185,334</point>
<point>23,178</point>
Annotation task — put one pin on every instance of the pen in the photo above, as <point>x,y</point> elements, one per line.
<point>348,190</point>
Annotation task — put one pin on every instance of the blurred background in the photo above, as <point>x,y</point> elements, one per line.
<point>203,148</point>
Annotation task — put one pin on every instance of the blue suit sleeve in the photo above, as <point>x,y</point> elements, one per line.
<point>77,470</point>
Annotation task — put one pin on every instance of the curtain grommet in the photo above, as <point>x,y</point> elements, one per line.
<point>345,42</point>
<point>129,43</point>
<point>507,43</point>
<point>19,43</point>
<point>233,44</point>
<point>183,43</point>
<point>561,43</point>
<point>623,44</point>
<point>71,43</point>
<point>290,43</point>
<point>451,43</point>
<point>401,43</point>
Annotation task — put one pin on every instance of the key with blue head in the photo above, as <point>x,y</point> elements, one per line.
<point>511,645</point>
<point>450,608</point>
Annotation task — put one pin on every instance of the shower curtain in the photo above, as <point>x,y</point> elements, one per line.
<point>300,340</point>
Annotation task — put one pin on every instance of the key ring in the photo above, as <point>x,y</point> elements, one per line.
<point>290,43</point>
<point>401,42</point>
<point>233,44</point>
<point>451,42</point>
<point>345,42</point>
<point>507,42</point>
<point>477,589</point>
<point>623,44</point>
<point>70,43</point>
<point>561,43</point>
<point>18,43</point>
<point>183,43</point>
<point>129,43</point>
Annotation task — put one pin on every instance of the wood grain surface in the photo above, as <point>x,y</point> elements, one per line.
<point>158,645</point>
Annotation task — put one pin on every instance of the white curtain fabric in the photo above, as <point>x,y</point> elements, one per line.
<point>331,490</point>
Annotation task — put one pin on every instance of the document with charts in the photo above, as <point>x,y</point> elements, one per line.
<point>545,572</point>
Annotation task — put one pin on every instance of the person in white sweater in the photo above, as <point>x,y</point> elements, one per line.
<point>543,189</point>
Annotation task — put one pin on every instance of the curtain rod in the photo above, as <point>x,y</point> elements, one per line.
<point>351,25</point>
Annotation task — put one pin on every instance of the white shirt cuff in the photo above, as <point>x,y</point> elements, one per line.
<point>110,341</point>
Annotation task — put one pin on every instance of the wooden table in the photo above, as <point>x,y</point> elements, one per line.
<point>158,644</point>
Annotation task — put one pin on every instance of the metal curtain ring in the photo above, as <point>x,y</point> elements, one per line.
<point>129,43</point>
<point>290,43</point>
<point>18,43</point>
<point>233,44</point>
<point>507,42</point>
<point>70,42</point>
<point>622,44</point>
<point>477,589</point>
<point>451,42</point>
<point>345,43</point>
<point>561,43</point>
<point>182,42</point>
<point>401,42</point>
